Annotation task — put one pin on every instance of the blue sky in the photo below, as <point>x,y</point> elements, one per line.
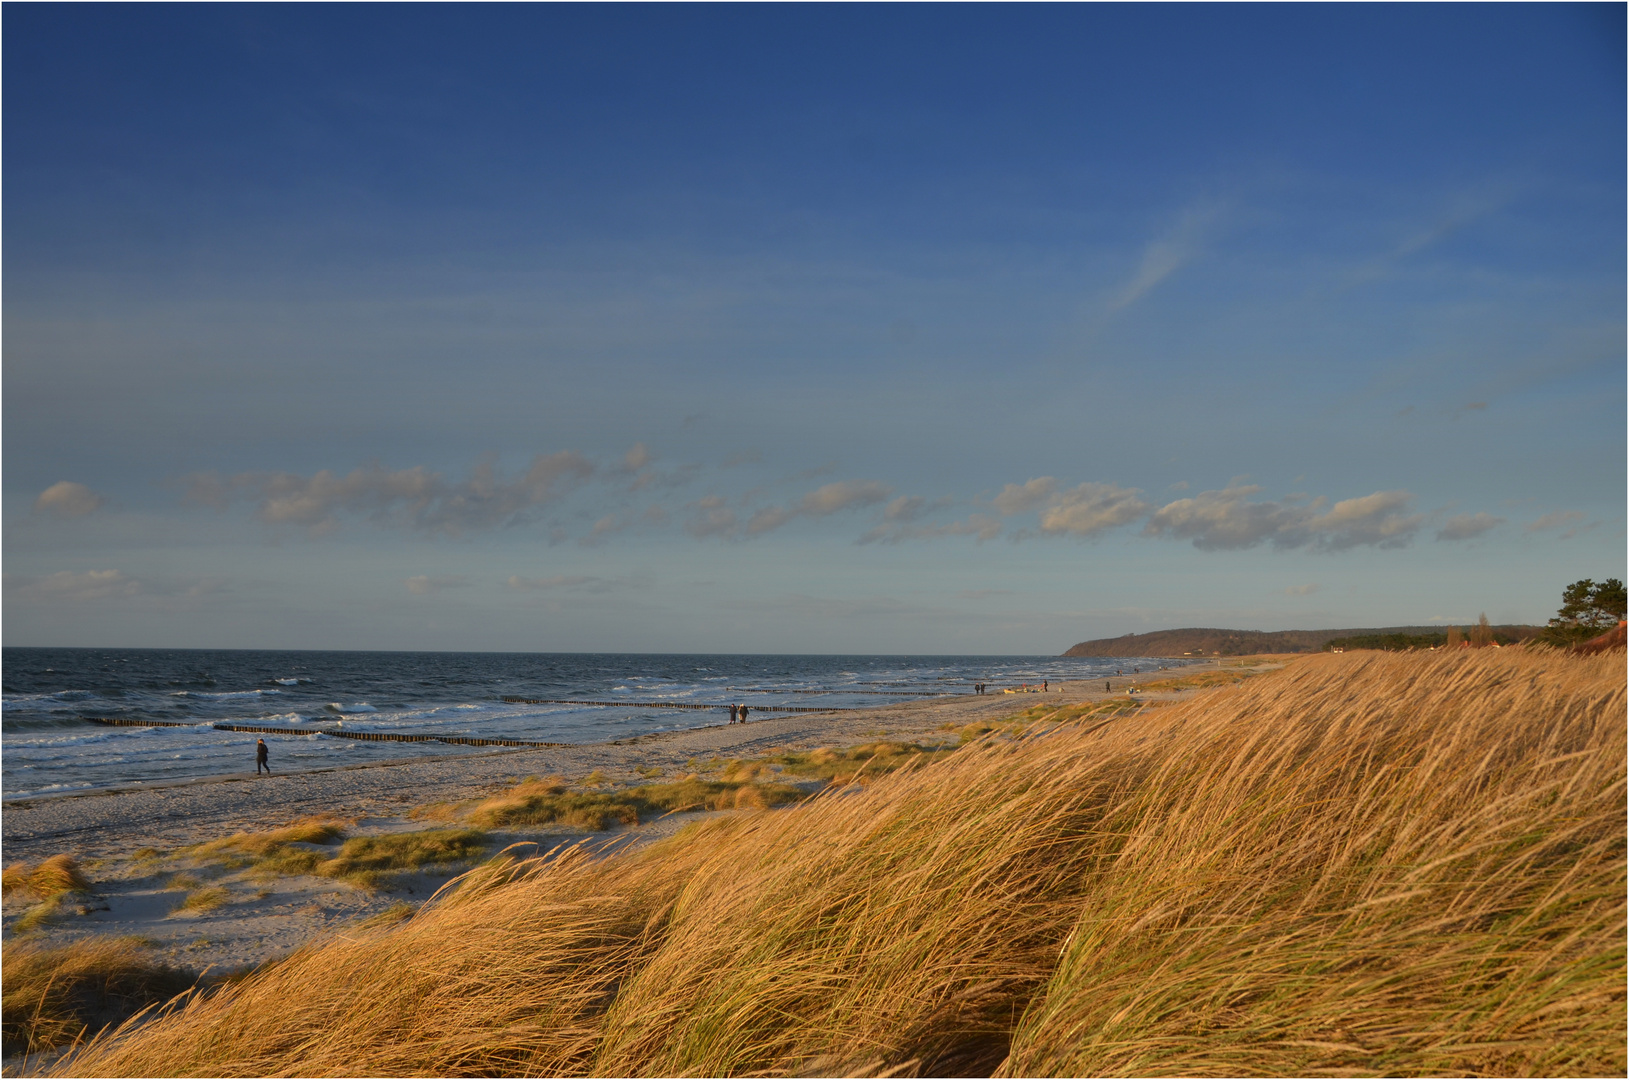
<point>976,329</point>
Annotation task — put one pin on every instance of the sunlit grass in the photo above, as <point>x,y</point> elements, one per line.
<point>1362,864</point>
<point>45,879</point>
<point>205,899</point>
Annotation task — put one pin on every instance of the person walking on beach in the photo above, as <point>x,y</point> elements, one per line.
<point>1044,684</point>
<point>260,757</point>
<point>743,714</point>
<point>732,714</point>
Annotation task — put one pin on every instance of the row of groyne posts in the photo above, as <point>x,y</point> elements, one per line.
<point>459,740</point>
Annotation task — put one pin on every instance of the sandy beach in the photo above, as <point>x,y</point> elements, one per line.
<point>267,917</point>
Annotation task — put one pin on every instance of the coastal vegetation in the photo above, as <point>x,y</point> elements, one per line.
<point>1197,642</point>
<point>53,995</point>
<point>1360,864</point>
<point>56,884</point>
<point>1587,608</point>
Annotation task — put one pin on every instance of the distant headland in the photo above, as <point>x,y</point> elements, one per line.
<point>1204,641</point>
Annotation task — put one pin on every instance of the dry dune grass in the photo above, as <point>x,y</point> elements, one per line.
<point>53,994</point>
<point>319,829</point>
<point>1362,864</point>
<point>46,879</point>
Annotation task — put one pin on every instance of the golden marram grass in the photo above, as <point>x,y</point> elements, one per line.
<point>1363,864</point>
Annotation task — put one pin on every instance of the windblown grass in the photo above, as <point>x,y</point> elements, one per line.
<point>53,995</point>
<point>57,885</point>
<point>551,802</point>
<point>320,829</point>
<point>1363,864</point>
<point>45,879</point>
<point>207,898</point>
<point>370,861</point>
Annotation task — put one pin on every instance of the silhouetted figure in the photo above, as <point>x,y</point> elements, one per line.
<point>1044,685</point>
<point>260,757</point>
<point>732,714</point>
<point>743,714</point>
<point>1105,685</point>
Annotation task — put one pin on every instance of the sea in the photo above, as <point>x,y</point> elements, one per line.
<point>50,745</point>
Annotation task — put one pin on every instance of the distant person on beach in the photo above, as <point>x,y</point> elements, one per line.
<point>1105,685</point>
<point>1044,684</point>
<point>732,714</point>
<point>260,757</point>
<point>743,714</point>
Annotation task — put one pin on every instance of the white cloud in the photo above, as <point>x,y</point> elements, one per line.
<point>66,499</point>
<point>1228,520</point>
<point>69,586</point>
<point>1090,509</point>
<point>1017,498</point>
<point>1466,526</point>
<point>843,495</point>
<point>1302,590</point>
<point>712,517</point>
<point>425,584</point>
<point>905,508</point>
<point>1167,254</point>
<point>1560,519</point>
<point>411,498</point>
<point>559,581</point>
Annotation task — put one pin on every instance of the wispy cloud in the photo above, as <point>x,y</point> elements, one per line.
<point>413,498</point>
<point>1302,590</point>
<point>711,516</point>
<point>1467,526</point>
<point>425,584</point>
<point>1228,520</point>
<point>1464,210</point>
<point>981,527</point>
<point>1017,498</point>
<point>1167,254</point>
<point>1567,520</point>
<point>67,499</point>
<point>83,586</point>
<point>559,581</point>
<point>1091,508</point>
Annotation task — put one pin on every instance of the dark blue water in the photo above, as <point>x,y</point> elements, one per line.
<point>48,746</point>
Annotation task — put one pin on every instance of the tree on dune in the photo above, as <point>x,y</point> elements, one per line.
<point>1587,608</point>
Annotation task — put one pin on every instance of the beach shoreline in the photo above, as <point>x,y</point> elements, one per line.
<point>104,829</point>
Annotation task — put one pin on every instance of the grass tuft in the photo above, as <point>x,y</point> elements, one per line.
<point>398,912</point>
<point>551,802</point>
<point>53,995</point>
<point>46,879</point>
<point>207,898</point>
<point>370,861</point>
<point>1360,864</point>
<point>319,829</point>
<point>856,763</point>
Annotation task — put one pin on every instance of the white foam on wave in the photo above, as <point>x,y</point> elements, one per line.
<point>225,694</point>
<point>287,682</point>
